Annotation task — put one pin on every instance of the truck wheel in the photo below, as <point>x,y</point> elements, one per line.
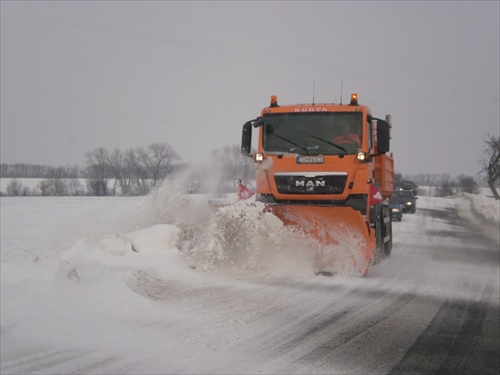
<point>379,251</point>
<point>388,244</point>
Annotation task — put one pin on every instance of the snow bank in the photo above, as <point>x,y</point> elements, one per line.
<point>483,212</point>
<point>484,208</point>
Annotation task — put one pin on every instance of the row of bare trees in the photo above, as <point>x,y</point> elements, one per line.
<point>46,187</point>
<point>443,185</point>
<point>23,170</point>
<point>133,172</point>
<point>137,171</point>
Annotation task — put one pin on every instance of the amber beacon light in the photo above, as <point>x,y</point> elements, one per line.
<point>354,99</point>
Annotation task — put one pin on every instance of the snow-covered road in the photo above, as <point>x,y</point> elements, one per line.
<point>138,286</point>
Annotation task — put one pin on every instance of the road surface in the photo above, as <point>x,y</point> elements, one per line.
<point>431,308</point>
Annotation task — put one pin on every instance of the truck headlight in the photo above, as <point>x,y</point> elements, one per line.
<point>361,156</point>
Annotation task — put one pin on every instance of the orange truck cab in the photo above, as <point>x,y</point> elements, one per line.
<point>326,169</point>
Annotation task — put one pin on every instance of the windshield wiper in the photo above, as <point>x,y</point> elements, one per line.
<point>289,141</point>
<point>330,143</point>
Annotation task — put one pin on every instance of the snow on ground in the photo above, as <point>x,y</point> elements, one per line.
<point>81,268</point>
<point>481,211</point>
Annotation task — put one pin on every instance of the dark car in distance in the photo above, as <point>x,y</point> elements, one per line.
<point>396,208</point>
<point>407,185</point>
<point>408,200</point>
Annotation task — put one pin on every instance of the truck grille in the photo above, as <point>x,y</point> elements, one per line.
<point>310,183</point>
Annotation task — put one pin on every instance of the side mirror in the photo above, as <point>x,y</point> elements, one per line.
<point>383,136</point>
<point>246,139</point>
<point>259,121</point>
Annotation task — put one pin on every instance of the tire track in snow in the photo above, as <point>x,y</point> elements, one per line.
<point>463,336</point>
<point>42,361</point>
<point>445,346</point>
<point>416,299</point>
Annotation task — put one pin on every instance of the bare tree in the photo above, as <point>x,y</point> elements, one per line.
<point>97,171</point>
<point>491,162</point>
<point>467,184</point>
<point>75,187</point>
<point>44,187</point>
<point>53,187</point>
<point>59,187</point>
<point>27,191</point>
<point>158,159</point>
<point>14,188</point>
<point>118,170</point>
<point>136,170</point>
<point>447,187</point>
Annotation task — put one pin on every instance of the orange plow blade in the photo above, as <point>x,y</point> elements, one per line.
<point>341,232</point>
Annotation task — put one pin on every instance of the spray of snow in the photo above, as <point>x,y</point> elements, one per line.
<point>239,236</point>
<point>243,236</point>
<point>175,228</point>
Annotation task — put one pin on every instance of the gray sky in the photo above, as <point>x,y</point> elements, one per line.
<point>81,75</point>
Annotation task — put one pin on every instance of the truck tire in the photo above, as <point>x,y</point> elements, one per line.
<point>380,248</point>
<point>388,244</point>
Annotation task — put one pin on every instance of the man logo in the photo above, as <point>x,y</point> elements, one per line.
<point>310,184</point>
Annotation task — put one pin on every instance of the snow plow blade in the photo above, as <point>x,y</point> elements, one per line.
<point>341,228</point>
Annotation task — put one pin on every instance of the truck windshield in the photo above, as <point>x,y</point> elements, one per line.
<point>313,133</point>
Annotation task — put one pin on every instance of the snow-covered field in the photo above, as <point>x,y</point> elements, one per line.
<point>144,285</point>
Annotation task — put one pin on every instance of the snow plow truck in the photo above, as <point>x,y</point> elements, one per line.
<point>327,170</point>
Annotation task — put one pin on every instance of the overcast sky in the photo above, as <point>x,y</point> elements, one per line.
<point>122,74</point>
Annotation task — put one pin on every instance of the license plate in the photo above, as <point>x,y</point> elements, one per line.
<point>310,159</point>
